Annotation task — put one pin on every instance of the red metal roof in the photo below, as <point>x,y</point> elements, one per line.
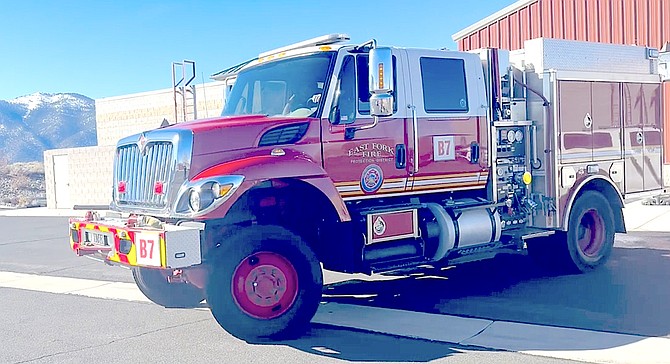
<point>639,22</point>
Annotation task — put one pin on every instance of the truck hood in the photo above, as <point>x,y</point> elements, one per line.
<point>232,133</point>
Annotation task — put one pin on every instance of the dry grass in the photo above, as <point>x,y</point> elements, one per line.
<point>21,184</point>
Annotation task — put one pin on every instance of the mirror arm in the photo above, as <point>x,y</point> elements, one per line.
<point>372,43</point>
<point>350,132</point>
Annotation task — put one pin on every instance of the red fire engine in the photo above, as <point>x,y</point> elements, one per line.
<point>361,158</point>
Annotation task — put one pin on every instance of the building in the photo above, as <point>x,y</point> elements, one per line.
<point>82,177</point>
<point>633,22</point>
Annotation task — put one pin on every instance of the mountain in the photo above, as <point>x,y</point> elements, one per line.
<point>33,123</point>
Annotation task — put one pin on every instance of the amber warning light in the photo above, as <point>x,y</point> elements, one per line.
<point>381,75</point>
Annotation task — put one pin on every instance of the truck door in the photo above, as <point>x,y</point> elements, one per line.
<point>449,121</point>
<point>642,137</point>
<point>369,162</point>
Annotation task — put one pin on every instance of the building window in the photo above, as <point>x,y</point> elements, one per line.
<point>444,88</point>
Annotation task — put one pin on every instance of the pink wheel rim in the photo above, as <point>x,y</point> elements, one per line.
<point>591,233</point>
<point>265,285</point>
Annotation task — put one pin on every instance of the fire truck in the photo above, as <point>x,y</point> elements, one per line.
<point>371,159</point>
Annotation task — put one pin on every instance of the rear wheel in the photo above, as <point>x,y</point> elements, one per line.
<point>155,286</point>
<point>588,242</point>
<point>266,282</point>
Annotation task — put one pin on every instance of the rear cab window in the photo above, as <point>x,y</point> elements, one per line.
<point>444,86</point>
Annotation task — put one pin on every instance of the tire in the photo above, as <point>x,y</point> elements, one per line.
<point>154,285</point>
<point>265,283</point>
<point>588,242</point>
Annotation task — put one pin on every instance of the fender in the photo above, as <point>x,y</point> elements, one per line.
<point>260,168</point>
<point>576,190</point>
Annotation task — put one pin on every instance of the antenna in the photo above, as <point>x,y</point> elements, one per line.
<point>204,93</point>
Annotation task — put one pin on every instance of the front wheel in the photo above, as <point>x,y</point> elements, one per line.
<point>265,282</point>
<point>153,283</point>
<point>588,242</point>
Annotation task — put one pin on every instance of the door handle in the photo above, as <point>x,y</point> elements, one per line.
<point>400,156</point>
<point>588,121</point>
<point>474,152</point>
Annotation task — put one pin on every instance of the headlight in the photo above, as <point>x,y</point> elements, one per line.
<point>194,200</point>
<point>201,196</point>
<point>216,189</point>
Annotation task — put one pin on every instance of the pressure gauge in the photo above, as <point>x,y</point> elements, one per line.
<point>510,136</point>
<point>519,135</point>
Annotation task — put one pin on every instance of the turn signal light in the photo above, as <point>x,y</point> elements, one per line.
<point>380,70</point>
<point>219,190</point>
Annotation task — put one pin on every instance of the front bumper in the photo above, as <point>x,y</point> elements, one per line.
<point>132,243</point>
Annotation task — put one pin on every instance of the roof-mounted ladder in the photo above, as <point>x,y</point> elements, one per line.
<point>183,91</point>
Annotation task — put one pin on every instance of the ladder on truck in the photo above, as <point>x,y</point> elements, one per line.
<point>183,91</point>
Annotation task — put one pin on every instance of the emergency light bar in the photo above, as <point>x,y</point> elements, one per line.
<point>318,41</point>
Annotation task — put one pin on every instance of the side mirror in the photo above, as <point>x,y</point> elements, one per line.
<point>381,81</point>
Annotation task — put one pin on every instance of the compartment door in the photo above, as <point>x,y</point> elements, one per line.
<point>575,122</point>
<point>652,137</point>
<point>606,113</point>
<point>635,108</point>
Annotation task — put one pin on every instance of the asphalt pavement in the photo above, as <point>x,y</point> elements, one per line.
<point>519,309</point>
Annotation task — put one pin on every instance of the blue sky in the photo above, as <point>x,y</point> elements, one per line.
<point>108,48</point>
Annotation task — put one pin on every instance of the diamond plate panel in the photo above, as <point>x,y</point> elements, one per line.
<point>568,55</point>
<point>182,246</point>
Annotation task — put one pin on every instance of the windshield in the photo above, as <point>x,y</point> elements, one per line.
<point>292,87</point>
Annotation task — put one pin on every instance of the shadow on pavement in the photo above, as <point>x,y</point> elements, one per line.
<point>630,294</point>
<point>354,345</point>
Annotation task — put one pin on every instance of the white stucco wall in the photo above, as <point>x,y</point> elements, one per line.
<point>89,177</point>
<point>90,168</point>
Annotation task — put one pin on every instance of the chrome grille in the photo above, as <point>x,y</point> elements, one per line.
<point>140,170</point>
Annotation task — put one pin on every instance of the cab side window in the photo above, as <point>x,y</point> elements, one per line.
<point>364,87</point>
<point>344,111</point>
<point>443,82</point>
